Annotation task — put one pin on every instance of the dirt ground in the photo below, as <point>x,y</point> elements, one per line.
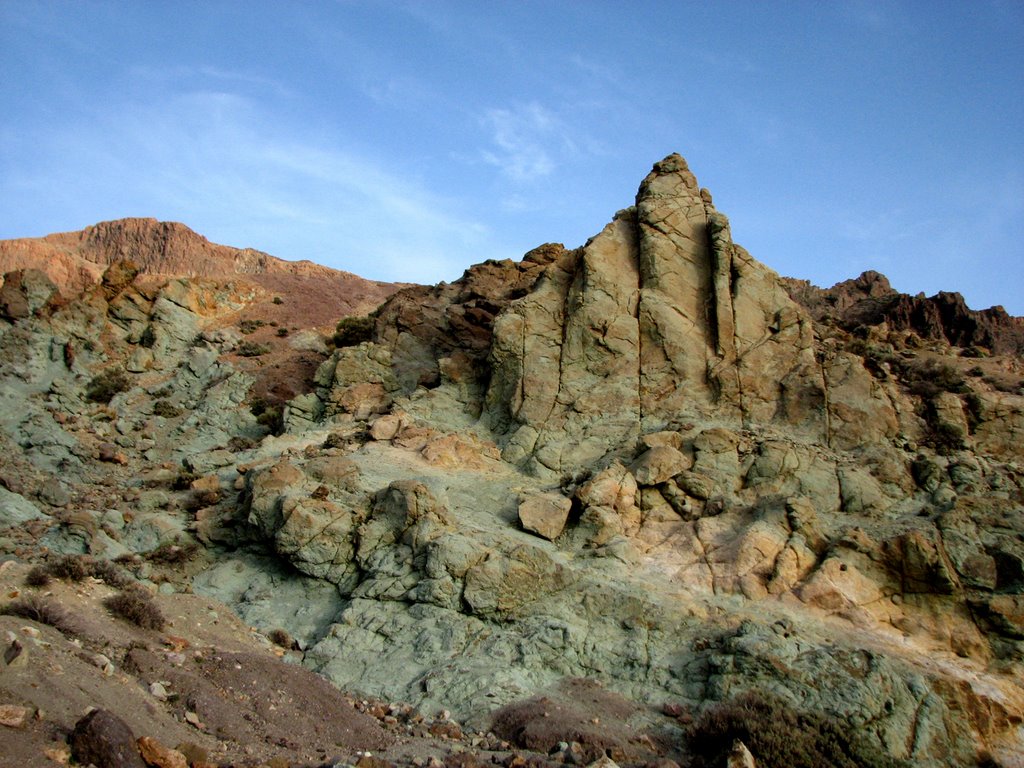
<point>220,692</point>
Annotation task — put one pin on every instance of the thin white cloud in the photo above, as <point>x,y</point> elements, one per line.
<point>526,141</point>
<point>221,164</point>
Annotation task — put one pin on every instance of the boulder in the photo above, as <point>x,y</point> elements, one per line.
<point>102,738</point>
<point>544,514</point>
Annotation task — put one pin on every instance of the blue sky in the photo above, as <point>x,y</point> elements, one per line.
<point>408,140</point>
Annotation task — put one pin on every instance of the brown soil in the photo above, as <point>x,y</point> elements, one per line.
<point>234,696</point>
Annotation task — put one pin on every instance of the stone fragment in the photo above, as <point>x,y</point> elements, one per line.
<point>13,716</point>
<point>387,426</point>
<point>739,756</point>
<point>108,452</point>
<point>659,464</point>
<point>60,755</point>
<point>544,514</point>
<point>159,756</point>
<point>16,654</point>
<point>157,691</point>
<point>102,738</point>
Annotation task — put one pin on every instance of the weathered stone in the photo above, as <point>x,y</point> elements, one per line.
<point>102,738</point>
<point>544,514</point>
<point>658,464</point>
<point>13,716</point>
<point>159,756</point>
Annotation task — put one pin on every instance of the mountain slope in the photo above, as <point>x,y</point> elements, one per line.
<point>647,462</point>
<point>75,260</point>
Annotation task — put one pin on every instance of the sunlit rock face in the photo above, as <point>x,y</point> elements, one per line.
<point>648,461</point>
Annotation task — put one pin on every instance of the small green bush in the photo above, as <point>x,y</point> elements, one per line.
<point>278,300</point>
<point>351,331</point>
<point>252,349</point>
<point>250,326</point>
<point>165,409</point>
<point>928,378</point>
<point>282,332</point>
<point>102,387</point>
<point>136,606</point>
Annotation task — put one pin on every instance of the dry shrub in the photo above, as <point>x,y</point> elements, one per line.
<point>71,567</point>
<point>251,349</point>
<point>779,736</point>
<point>136,606</point>
<point>36,608</point>
<point>102,387</point>
<point>110,573</point>
<point>281,638</point>
<point>929,377</point>
<point>38,576</point>
<point>172,553</point>
<point>250,325</point>
<point>166,409</point>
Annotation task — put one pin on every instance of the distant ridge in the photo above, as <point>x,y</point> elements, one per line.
<point>76,260</point>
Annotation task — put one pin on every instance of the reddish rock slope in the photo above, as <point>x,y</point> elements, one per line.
<point>74,260</point>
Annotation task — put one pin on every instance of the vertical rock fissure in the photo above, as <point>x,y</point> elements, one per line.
<point>635,313</point>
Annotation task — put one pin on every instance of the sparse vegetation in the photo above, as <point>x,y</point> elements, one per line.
<point>278,300</point>
<point>351,331</point>
<point>281,638</point>
<point>779,736</point>
<point>282,332</point>
<point>172,553</point>
<point>183,480</point>
<point>251,349</point>
<point>929,377</point>
<point>70,567</point>
<point>36,608</point>
<point>249,325</point>
<point>165,409</point>
<point>270,415</point>
<point>135,605</point>
<point>38,576</point>
<point>102,387</point>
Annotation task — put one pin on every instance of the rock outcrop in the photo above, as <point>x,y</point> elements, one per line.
<point>73,261</point>
<point>869,300</point>
<point>649,462</point>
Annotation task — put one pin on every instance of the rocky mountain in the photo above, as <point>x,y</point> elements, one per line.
<point>631,501</point>
<point>869,300</point>
<point>162,249</point>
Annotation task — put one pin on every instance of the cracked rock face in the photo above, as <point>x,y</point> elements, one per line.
<point>658,319</point>
<point>640,462</point>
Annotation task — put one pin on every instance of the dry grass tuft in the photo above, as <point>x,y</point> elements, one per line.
<point>136,606</point>
<point>36,608</point>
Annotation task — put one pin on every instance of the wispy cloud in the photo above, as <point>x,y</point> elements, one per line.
<point>221,163</point>
<point>526,141</point>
